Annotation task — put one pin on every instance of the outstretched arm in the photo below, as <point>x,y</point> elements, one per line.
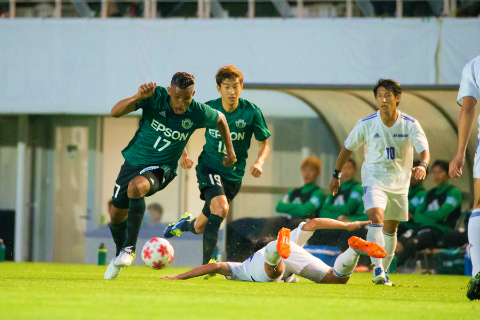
<point>325,223</point>
<point>465,123</point>
<point>218,267</point>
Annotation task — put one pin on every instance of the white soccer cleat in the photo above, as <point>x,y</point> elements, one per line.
<point>125,258</point>
<point>112,271</point>
<point>379,275</point>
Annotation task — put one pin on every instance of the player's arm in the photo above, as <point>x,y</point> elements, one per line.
<point>324,223</point>
<point>465,123</point>
<point>185,161</point>
<point>127,105</point>
<point>420,172</point>
<point>218,267</point>
<point>257,168</point>
<point>342,159</point>
<point>224,131</point>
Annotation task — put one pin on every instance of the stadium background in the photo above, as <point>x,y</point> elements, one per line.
<point>312,78</point>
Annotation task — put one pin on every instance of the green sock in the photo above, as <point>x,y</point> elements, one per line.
<point>136,210</point>
<point>210,237</point>
<point>119,234</point>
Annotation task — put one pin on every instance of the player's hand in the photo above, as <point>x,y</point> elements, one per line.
<point>456,165</point>
<point>146,90</point>
<point>229,160</point>
<point>256,170</point>
<point>334,186</point>
<point>419,173</point>
<point>357,224</point>
<point>186,162</point>
<point>169,278</point>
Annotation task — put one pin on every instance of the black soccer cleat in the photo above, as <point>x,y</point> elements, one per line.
<point>473,288</point>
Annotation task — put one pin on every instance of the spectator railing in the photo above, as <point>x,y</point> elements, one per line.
<point>205,9</point>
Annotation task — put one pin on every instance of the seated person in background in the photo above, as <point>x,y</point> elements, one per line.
<point>416,192</point>
<point>304,202</point>
<point>153,215</point>
<point>436,214</point>
<point>344,204</point>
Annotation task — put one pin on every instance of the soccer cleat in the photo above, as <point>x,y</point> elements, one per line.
<point>283,243</point>
<point>473,288</point>
<point>363,247</point>
<point>174,228</point>
<point>125,258</point>
<point>387,281</point>
<point>112,271</point>
<point>210,275</point>
<point>379,275</point>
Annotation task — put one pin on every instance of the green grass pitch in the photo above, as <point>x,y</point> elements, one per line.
<point>65,291</point>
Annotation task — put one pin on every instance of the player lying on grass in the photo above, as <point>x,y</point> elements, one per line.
<point>267,265</point>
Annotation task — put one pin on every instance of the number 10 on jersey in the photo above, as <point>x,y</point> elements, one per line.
<point>390,153</point>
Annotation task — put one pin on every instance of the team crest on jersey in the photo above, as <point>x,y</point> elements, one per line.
<point>187,123</point>
<point>240,123</point>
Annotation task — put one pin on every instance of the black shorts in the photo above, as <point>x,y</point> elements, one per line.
<point>211,184</point>
<point>158,176</point>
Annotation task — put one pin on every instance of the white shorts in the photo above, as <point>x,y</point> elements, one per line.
<point>476,162</point>
<point>395,205</point>
<point>253,269</point>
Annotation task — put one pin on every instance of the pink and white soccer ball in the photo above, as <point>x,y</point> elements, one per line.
<point>157,253</point>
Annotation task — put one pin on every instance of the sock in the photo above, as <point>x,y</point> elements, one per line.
<point>136,209</point>
<point>474,239</point>
<point>271,254</point>
<point>390,245</point>
<point>375,234</point>
<point>189,226</point>
<point>345,263</point>
<point>210,237</point>
<point>119,234</point>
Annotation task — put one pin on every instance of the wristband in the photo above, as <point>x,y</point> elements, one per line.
<point>423,164</point>
<point>337,174</point>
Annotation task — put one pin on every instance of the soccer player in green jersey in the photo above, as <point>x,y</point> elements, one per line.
<point>218,184</point>
<point>169,118</point>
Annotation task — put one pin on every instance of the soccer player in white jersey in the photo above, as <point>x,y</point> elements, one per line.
<point>389,137</point>
<point>266,265</point>
<point>467,98</point>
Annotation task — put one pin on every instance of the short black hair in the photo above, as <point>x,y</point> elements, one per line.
<point>183,80</point>
<point>389,84</point>
<point>416,163</point>
<point>442,164</point>
<point>353,162</point>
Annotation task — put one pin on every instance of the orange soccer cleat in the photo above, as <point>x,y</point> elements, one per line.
<point>370,248</point>
<point>283,243</point>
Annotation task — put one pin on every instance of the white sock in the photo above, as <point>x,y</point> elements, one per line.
<point>375,234</point>
<point>390,245</point>
<point>474,239</point>
<point>345,263</point>
<point>272,257</point>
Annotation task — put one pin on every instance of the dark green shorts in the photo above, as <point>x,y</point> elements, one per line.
<point>210,182</point>
<point>158,176</point>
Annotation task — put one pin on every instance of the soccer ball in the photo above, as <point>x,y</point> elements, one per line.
<point>157,253</point>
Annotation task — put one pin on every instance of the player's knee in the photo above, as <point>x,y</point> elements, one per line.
<point>220,210</point>
<point>138,188</point>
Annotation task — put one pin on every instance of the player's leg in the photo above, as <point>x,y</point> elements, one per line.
<point>390,237</point>
<point>219,210</point>
<point>375,201</point>
<point>474,240</point>
<point>346,262</point>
